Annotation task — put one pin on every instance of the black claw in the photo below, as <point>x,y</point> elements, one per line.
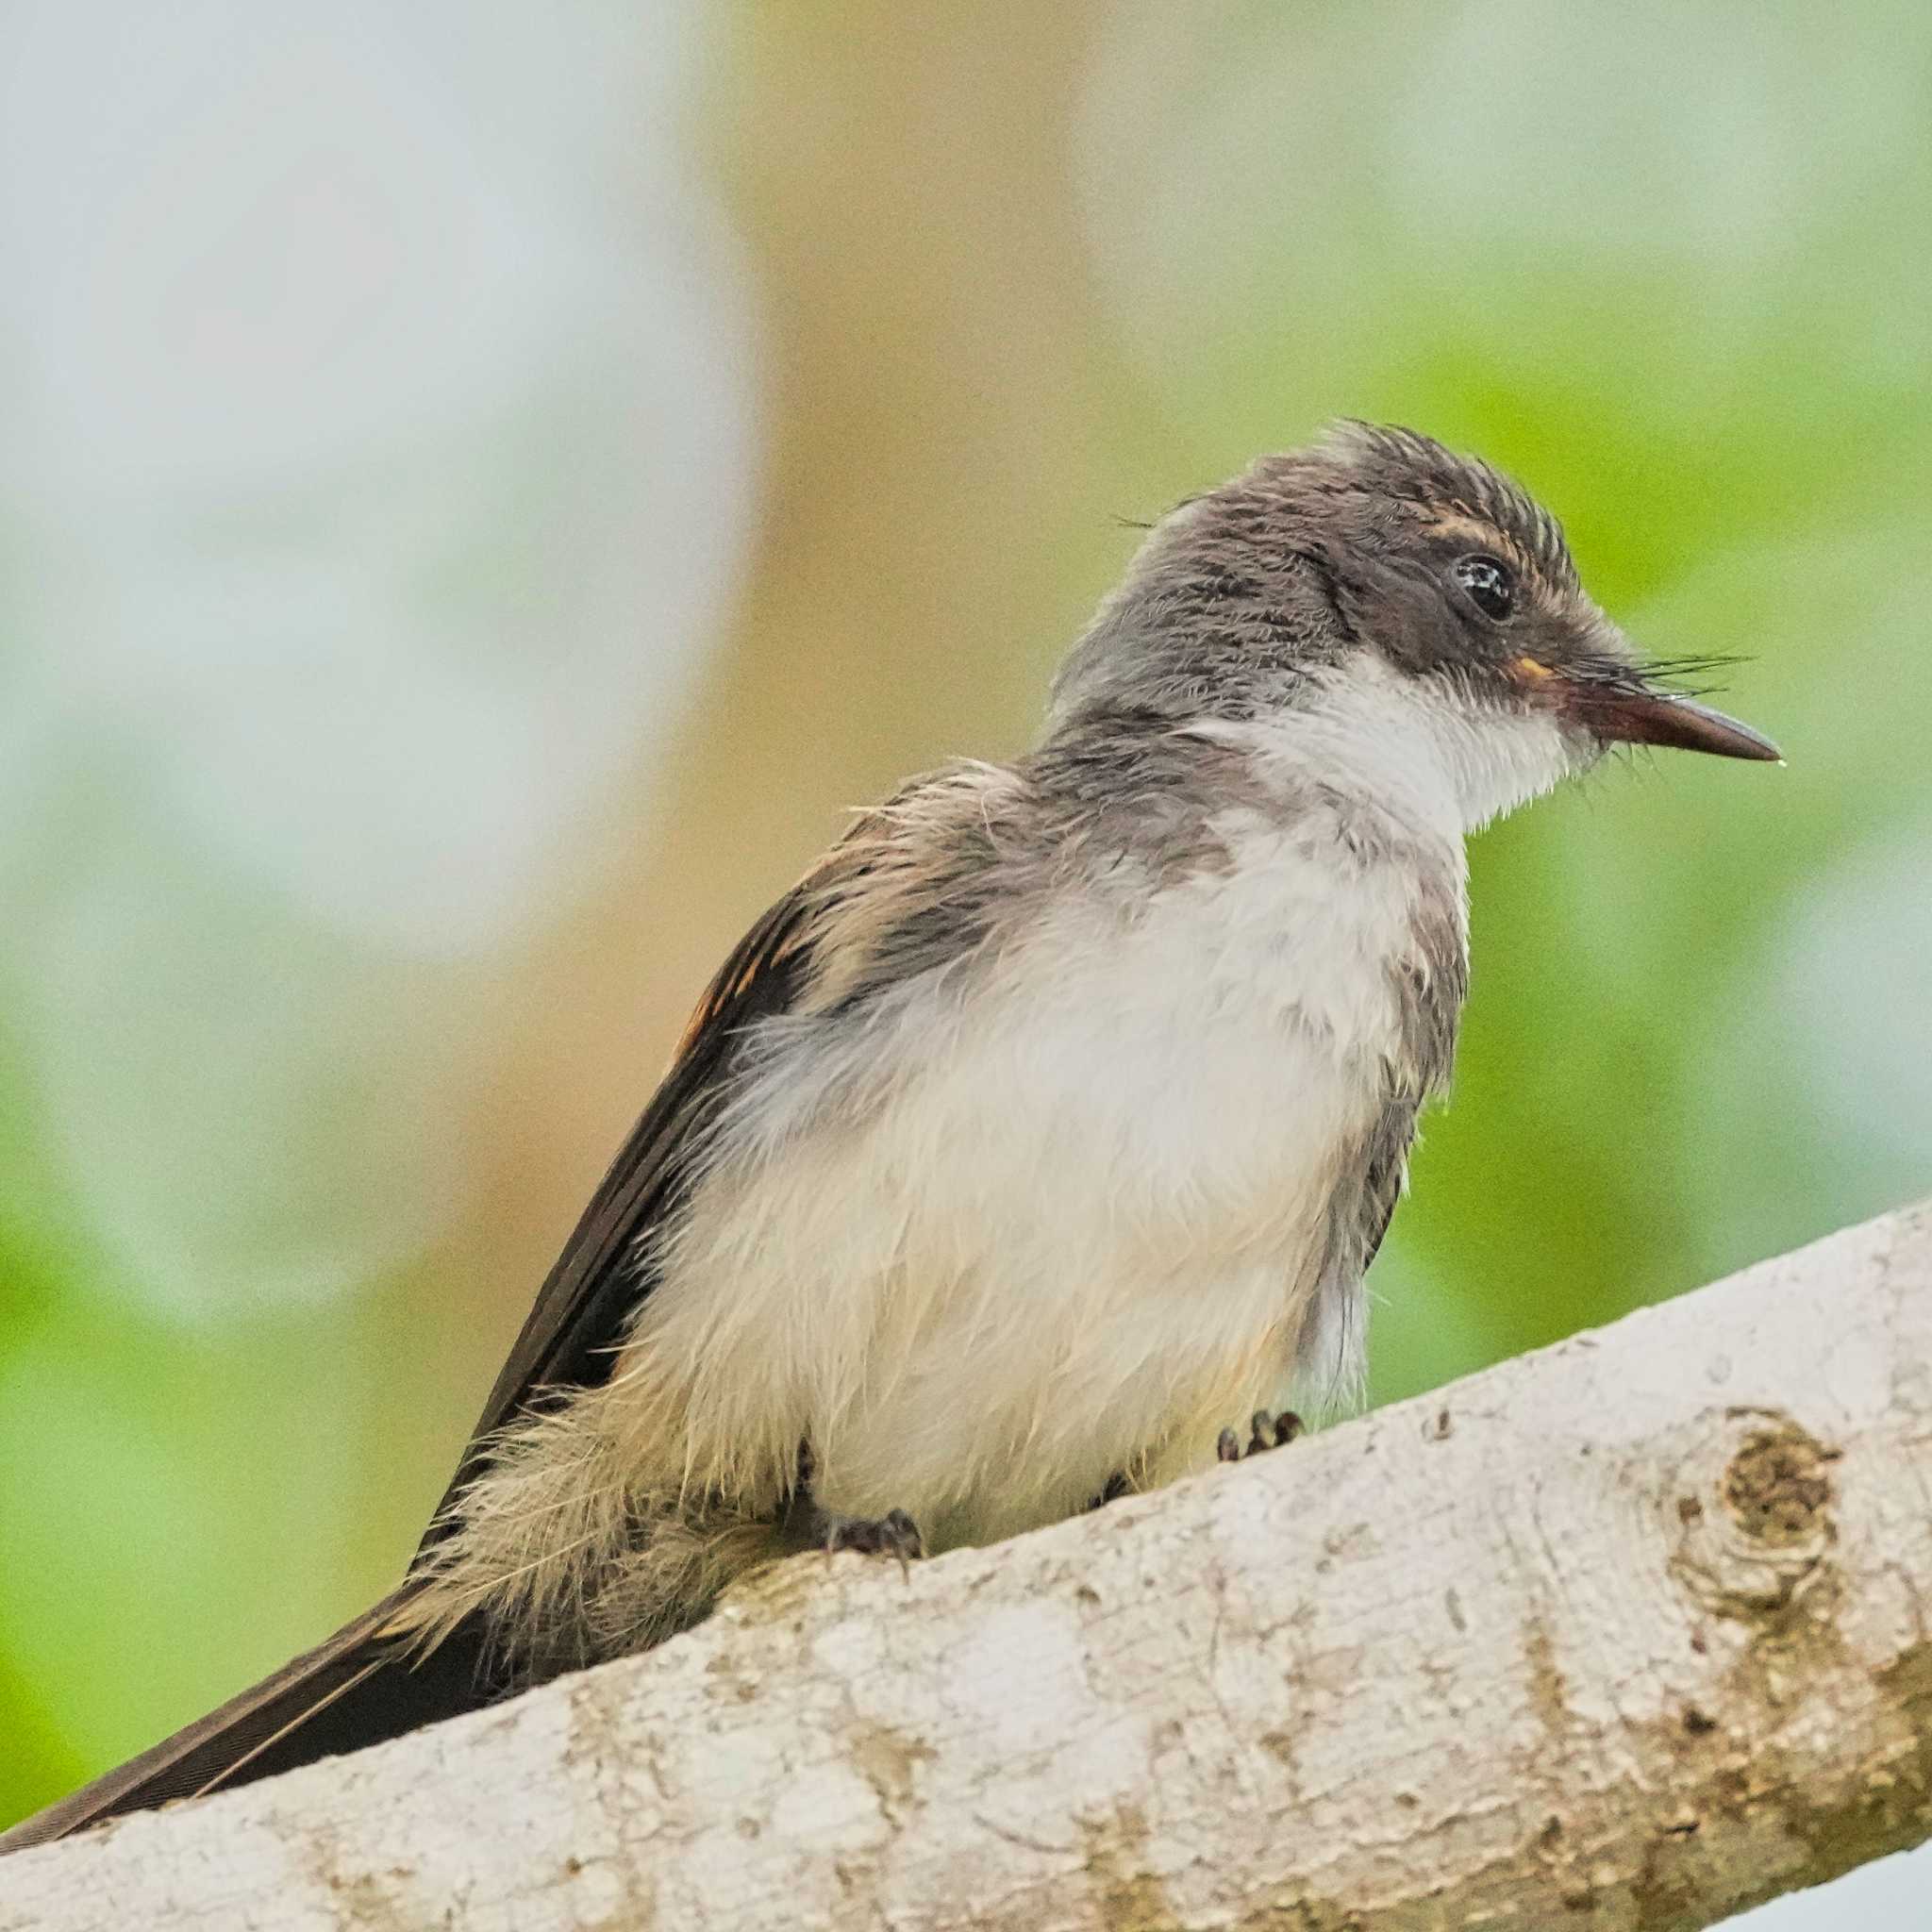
<point>894,1534</point>
<point>1265,1431</point>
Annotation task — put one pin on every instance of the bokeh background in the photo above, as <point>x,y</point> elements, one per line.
<point>482,490</point>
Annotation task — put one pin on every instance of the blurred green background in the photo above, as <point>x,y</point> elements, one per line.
<point>481,491</point>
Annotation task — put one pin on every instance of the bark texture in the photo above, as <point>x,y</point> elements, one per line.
<point>1631,1633</point>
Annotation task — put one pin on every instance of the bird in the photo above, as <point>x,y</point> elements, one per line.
<point>1044,1132</point>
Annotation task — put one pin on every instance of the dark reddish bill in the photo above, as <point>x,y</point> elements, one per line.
<point>1661,718</point>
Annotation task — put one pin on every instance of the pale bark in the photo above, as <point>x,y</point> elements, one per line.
<point>1629,1633</point>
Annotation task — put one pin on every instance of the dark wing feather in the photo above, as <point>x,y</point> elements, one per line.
<point>1382,1186</point>
<point>581,1311</point>
<point>371,1681</point>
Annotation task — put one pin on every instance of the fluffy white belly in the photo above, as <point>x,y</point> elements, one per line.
<point>1075,1225</point>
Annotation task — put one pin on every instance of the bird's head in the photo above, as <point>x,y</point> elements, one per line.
<point>1379,583</point>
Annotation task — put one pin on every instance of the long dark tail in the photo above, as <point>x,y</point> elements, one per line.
<point>367,1683</point>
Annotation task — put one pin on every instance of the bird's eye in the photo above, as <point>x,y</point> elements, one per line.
<point>1490,587</point>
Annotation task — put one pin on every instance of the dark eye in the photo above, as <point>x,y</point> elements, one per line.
<point>1490,587</point>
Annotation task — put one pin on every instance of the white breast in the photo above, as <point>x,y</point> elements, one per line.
<point>1077,1227</point>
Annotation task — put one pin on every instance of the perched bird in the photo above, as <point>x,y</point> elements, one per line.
<point>1046,1127</point>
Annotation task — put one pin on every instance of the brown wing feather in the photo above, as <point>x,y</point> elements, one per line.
<point>584,1303</point>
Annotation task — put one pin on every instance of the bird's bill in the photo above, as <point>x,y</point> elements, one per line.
<point>1660,717</point>
<point>1636,713</point>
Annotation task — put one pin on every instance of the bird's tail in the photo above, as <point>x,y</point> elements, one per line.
<point>371,1681</point>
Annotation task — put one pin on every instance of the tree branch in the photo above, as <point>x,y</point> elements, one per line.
<point>1629,1633</point>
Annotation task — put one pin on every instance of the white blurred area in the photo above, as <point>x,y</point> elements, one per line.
<point>375,458</point>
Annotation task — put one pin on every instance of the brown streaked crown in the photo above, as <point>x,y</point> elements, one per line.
<point>1457,495</point>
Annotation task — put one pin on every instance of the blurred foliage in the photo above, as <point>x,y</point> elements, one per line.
<point>1000,275</point>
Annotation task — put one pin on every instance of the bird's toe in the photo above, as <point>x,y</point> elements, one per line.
<point>1267,1429</point>
<point>894,1534</point>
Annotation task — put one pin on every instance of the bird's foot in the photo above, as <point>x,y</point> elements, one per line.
<point>894,1534</point>
<point>1266,1431</point>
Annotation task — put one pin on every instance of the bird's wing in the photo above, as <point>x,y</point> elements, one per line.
<point>1381,1191</point>
<point>1433,983</point>
<point>570,1337</point>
